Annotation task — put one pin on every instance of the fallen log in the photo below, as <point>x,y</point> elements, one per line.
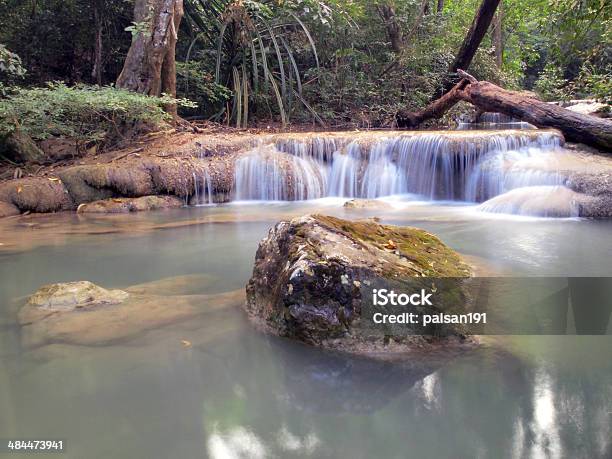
<point>488,97</point>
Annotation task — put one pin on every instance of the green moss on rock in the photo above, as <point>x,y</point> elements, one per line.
<point>313,276</point>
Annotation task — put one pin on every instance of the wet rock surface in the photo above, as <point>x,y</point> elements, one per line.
<point>125,205</point>
<point>8,210</point>
<point>589,107</point>
<point>36,194</point>
<point>73,295</point>
<point>310,273</point>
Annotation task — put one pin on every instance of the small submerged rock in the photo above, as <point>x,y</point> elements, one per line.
<point>125,205</point>
<point>73,295</point>
<point>312,276</point>
<point>374,204</point>
<point>82,313</point>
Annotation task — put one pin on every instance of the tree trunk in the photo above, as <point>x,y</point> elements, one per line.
<point>488,97</point>
<point>150,66</point>
<point>434,110</point>
<point>96,72</point>
<point>498,36</point>
<point>575,126</point>
<point>394,31</point>
<point>423,11</point>
<point>472,41</point>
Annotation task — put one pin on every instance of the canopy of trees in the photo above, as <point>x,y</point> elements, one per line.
<point>335,62</point>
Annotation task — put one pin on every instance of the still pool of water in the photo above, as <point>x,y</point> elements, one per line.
<point>233,392</point>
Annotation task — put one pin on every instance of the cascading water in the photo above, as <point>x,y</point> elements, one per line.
<point>203,188</point>
<point>495,118</point>
<point>543,201</point>
<point>267,175</point>
<point>437,166</point>
<point>490,120</point>
<point>505,170</point>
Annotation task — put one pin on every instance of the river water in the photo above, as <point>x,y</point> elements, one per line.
<point>214,387</point>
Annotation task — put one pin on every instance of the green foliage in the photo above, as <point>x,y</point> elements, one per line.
<point>246,61</point>
<point>83,113</point>
<point>137,28</point>
<point>551,85</point>
<point>259,46</point>
<point>10,63</point>
<point>196,82</point>
<point>593,82</point>
<point>590,83</point>
<point>56,38</point>
<point>363,83</point>
<point>10,69</point>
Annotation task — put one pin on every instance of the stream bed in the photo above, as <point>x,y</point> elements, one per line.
<point>215,387</point>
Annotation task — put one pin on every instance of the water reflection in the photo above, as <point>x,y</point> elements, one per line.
<point>327,382</point>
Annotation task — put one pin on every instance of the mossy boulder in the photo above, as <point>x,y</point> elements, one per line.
<point>313,276</point>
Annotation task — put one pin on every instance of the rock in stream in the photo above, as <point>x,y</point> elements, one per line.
<point>85,314</point>
<point>312,276</point>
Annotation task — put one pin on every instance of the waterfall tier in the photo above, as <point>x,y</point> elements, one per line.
<point>460,165</point>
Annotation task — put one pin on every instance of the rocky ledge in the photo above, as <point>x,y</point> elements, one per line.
<point>313,276</point>
<point>204,169</point>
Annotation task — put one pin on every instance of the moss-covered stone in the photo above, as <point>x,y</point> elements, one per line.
<point>314,274</point>
<point>426,254</point>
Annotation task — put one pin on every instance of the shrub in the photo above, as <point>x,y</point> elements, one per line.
<point>595,83</point>
<point>84,113</point>
<point>551,85</point>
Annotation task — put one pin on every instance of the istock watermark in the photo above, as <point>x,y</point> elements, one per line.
<point>494,306</point>
<point>384,297</point>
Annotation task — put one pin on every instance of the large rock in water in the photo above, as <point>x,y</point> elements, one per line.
<point>314,274</point>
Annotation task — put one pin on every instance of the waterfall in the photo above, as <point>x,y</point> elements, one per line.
<point>461,166</point>
<point>491,120</point>
<point>495,118</point>
<point>343,173</point>
<point>268,175</point>
<point>203,188</point>
<point>505,170</point>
